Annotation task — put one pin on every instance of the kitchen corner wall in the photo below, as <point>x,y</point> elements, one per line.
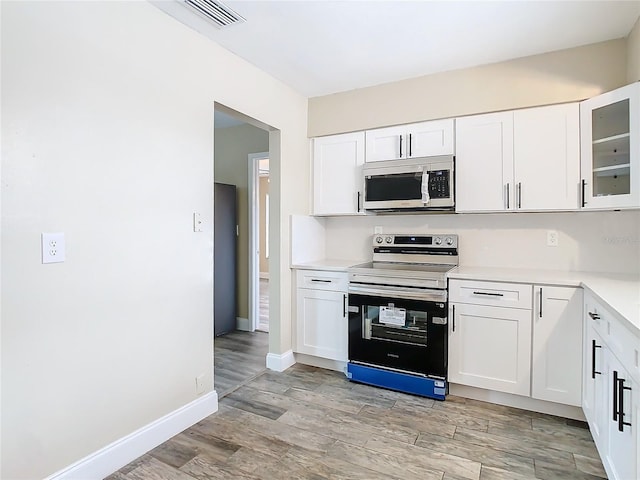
<point>232,147</point>
<point>588,241</point>
<point>633,54</point>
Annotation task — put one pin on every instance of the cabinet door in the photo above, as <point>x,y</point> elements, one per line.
<point>428,139</point>
<point>490,347</point>
<point>557,345</point>
<point>484,163</point>
<point>622,449</point>
<point>610,141</point>
<point>386,143</point>
<point>337,174</point>
<point>321,324</point>
<point>546,144</point>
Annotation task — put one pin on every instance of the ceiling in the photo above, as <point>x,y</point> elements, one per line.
<point>324,47</point>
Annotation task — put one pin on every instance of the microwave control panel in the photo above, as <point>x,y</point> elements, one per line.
<point>439,184</point>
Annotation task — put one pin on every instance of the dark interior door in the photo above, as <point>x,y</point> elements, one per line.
<point>224,258</point>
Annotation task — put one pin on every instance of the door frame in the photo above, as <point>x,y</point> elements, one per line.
<point>254,238</point>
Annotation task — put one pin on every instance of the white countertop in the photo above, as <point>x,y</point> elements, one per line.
<point>619,292</point>
<point>334,265</point>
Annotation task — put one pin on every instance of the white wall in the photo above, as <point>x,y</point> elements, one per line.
<point>107,135</point>
<point>556,77</point>
<point>633,54</point>
<point>588,241</point>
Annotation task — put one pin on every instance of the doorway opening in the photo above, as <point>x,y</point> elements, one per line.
<point>241,340</point>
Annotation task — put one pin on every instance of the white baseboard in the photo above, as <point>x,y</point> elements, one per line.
<point>280,363</point>
<point>517,401</point>
<point>325,363</point>
<point>264,275</point>
<point>243,324</point>
<point>111,458</point>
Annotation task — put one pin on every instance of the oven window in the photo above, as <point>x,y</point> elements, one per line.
<point>394,324</point>
<point>405,186</point>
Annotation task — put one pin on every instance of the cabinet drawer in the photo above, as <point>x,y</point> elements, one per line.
<point>323,280</point>
<point>512,295</point>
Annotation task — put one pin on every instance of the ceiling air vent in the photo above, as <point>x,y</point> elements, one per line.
<point>216,12</point>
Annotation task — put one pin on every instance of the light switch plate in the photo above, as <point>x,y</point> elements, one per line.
<point>197,222</point>
<point>53,247</point>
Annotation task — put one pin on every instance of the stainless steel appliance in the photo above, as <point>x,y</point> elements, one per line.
<point>417,184</point>
<point>398,314</point>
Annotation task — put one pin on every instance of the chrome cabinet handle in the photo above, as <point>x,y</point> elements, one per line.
<point>584,183</point>
<point>489,294</point>
<point>359,195</point>
<point>519,195</point>
<point>453,320</point>
<point>540,310</point>
<point>594,316</point>
<point>400,146</point>
<point>318,280</point>
<point>409,144</point>
<point>507,196</point>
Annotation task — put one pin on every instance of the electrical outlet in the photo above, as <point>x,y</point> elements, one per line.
<point>53,248</point>
<point>552,238</point>
<point>200,384</point>
<point>377,230</point>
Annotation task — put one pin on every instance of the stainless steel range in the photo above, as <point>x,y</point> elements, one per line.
<point>398,314</point>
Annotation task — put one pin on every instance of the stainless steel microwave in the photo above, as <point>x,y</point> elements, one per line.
<point>417,184</point>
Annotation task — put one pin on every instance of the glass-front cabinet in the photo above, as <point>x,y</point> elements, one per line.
<point>610,167</point>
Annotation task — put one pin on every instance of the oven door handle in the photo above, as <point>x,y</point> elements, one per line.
<point>408,293</point>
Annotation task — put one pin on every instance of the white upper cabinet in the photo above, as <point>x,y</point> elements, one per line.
<point>518,160</point>
<point>424,139</point>
<point>484,162</point>
<point>610,125</point>
<point>337,174</point>
<point>546,144</point>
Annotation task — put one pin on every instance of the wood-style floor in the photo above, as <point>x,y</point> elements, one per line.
<point>263,320</point>
<point>238,358</point>
<point>309,423</point>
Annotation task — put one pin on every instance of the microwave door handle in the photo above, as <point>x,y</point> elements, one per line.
<point>425,187</point>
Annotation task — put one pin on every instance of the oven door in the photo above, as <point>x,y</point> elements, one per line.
<point>400,334</point>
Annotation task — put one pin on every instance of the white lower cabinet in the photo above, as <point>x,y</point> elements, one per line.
<point>517,338</point>
<point>610,390</point>
<point>321,320</point>
<point>490,347</point>
<point>556,367</point>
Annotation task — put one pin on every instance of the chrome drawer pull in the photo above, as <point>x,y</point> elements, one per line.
<point>320,281</point>
<point>594,316</point>
<point>489,294</point>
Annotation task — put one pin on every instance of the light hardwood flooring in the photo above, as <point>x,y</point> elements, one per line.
<point>309,423</point>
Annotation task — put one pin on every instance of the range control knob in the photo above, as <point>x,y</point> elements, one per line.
<point>437,241</point>
<point>389,239</point>
<point>449,241</point>
<point>378,239</point>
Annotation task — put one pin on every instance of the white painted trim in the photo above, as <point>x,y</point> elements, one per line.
<point>517,401</point>
<point>264,275</point>
<point>320,362</point>
<point>280,363</point>
<point>254,237</point>
<point>243,324</point>
<point>126,449</point>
